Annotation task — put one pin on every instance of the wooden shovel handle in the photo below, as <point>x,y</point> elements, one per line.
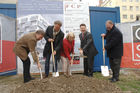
<point>103,50</point>
<point>40,69</point>
<point>72,59</point>
<point>53,55</point>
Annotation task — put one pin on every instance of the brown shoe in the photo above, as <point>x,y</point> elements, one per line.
<point>46,76</point>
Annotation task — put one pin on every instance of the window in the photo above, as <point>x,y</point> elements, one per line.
<point>131,8</point>
<point>137,8</point>
<point>137,0</point>
<point>131,0</point>
<point>123,0</point>
<point>131,17</point>
<point>124,16</point>
<point>124,8</point>
<point>137,17</point>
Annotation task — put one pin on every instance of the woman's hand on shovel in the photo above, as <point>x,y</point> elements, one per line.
<point>71,61</point>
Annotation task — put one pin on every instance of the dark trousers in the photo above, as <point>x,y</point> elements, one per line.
<point>88,65</point>
<point>115,66</point>
<point>26,69</point>
<point>47,64</point>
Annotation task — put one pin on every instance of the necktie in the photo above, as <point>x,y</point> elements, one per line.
<point>83,36</point>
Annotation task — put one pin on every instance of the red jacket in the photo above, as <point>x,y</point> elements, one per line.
<point>68,48</point>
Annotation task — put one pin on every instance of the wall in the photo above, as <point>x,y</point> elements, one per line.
<point>131,40</point>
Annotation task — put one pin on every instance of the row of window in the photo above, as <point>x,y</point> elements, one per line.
<point>131,16</point>
<point>130,8</point>
<point>131,0</point>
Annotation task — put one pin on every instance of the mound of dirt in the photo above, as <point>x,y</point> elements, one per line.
<point>74,84</point>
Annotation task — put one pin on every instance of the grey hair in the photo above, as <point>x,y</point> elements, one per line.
<point>58,22</point>
<point>40,32</point>
<point>110,22</point>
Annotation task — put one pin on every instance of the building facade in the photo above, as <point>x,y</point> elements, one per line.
<point>8,1</point>
<point>129,9</point>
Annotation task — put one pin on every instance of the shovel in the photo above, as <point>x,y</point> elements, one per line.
<point>104,69</point>
<point>40,71</point>
<point>72,59</point>
<point>56,74</point>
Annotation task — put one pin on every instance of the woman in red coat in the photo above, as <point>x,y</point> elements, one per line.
<point>68,48</point>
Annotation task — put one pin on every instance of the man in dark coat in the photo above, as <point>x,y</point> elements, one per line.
<point>114,47</point>
<point>87,49</point>
<point>55,35</point>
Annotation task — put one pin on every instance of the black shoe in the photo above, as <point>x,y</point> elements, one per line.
<point>85,74</point>
<point>114,80</point>
<point>25,81</point>
<point>110,78</point>
<point>46,76</point>
<point>32,78</point>
<point>90,75</point>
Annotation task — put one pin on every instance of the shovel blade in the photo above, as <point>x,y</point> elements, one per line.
<point>105,71</point>
<point>40,73</point>
<point>55,74</point>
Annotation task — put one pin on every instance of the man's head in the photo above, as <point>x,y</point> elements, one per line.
<point>70,36</point>
<point>109,25</point>
<point>39,34</point>
<point>57,25</point>
<point>83,28</point>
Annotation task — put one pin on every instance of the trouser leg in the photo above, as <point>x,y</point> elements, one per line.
<point>63,59</point>
<point>47,64</point>
<point>68,67</point>
<point>85,66</point>
<point>111,65</point>
<point>26,70</point>
<point>90,65</point>
<point>116,67</point>
<point>55,69</point>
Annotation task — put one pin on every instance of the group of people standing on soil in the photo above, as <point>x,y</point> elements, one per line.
<point>64,47</point>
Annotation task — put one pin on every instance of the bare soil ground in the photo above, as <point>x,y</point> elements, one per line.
<point>129,83</point>
<point>74,84</point>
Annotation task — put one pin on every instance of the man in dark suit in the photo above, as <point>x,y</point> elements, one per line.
<point>55,35</point>
<point>87,49</point>
<point>114,47</point>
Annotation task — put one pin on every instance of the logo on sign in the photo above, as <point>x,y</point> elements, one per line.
<point>136,43</point>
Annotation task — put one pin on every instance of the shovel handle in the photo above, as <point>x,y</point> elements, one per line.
<point>72,59</point>
<point>53,55</point>
<point>40,73</point>
<point>103,42</point>
<point>103,50</point>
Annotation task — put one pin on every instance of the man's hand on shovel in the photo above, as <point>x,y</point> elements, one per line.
<point>54,52</point>
<point>104,50</point>
<point>103,35</point>
<point>50,40</point>
<point>81,51</point>
<point>39,65</point>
